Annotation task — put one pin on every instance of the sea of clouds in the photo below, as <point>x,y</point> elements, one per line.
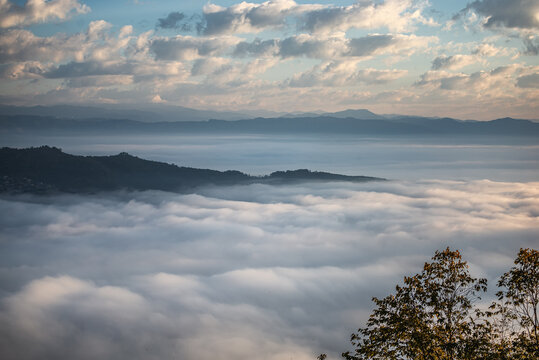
<point>243,272</point>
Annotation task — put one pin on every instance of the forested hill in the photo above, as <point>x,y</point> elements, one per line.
<point>48,169</point>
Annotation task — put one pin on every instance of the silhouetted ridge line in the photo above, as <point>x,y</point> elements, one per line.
<point>48,169</point>
<point>322,124</point>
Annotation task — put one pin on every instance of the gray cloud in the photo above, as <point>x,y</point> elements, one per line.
<point>343,74</point>
<point>503,76</point>
<point>528,81</point>
<point>257,271</point>
<point>369,44</point>
<point>21,45</point>
<point>188,48</point>
<point>396,15</point>
<point>519,14</point>
<point>257,48</point>
<point>246,17</point>
<point>38,11</point>
<point>174,20</point>
<point>518,18</point>
<point>89,68</point>
<point>332,47</point>
<point>98,81</point>
<point>96,43</point>
<point>209,65</point>
<point>454,61</point>
<point>310,47</point>
<point>27,69</point>
<point>531,44</point>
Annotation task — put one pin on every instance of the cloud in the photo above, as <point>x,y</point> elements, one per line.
<point>23,70</point>
<point>343,74</point>
<point>285,43</point>
<point>257,48</point>
<point>332,47</point>
<point>101,321</point>
<point>531,42</point>
<point>38,11</point>
<point>395,15</point>
<point>99,81</point>
<point>529,81</point>
<point>502,77</point>
<point>258,271</point>
<point>99,51</point>
<point>516,14</point>
<point>96,43</point>
<point>247,17</point>
<point>21,45</point>
<point>89,68</point>
<point>189,47</point>
<point>225,76</point>
<point>208,66</point>
<point>454,62</point>
<point>389,44</point>
<point>174,20</point>
<point>476,57</point>
<point>519,18</point>
<point>313,47</point>
<point>486,49</point>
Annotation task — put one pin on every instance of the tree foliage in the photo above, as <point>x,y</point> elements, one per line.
<point>433,315</point>
<point>515,312</point>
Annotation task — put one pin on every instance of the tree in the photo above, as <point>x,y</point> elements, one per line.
<point>430,317</point>
<point>516,311</point>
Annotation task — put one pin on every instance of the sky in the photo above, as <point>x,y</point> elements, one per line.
<point>259,271</point>
<point>465,59</point>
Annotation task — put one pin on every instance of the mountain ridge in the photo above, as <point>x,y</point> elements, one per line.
<point>48,169</point>
<point>282,125</point>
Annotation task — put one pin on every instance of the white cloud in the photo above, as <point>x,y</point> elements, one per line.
<point>482,83</point>
<point>249,17</point>
<point>38,11</point>
<point>517,18</point>
<point>21,45</point>
<point>395,15</point>
<point>206,66</point>
<point>189,47</point>
<point>335,46</point>
<point>477,56</point>
<point>518,14</point>
<point>344,73</point>
<point>97,43</point>
<point>258,271</point>
<point>454,62</point>
<point>23,70</point>
<point>297,44</point>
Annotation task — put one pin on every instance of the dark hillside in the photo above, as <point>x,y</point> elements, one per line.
<point>46,169</point>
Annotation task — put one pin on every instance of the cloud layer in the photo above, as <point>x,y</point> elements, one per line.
<point>256,55</point>
<point>520,14</point>
<point>38,11</point>
<point>260,272</point>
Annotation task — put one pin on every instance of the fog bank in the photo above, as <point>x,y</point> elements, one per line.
<point>257,271</point>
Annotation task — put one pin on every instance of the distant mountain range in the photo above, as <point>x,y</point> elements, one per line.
<point>47,170</point>
<point>155,119</point>
<point>161,113</point>
<point>322,124</point>
<point>143,113</point>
